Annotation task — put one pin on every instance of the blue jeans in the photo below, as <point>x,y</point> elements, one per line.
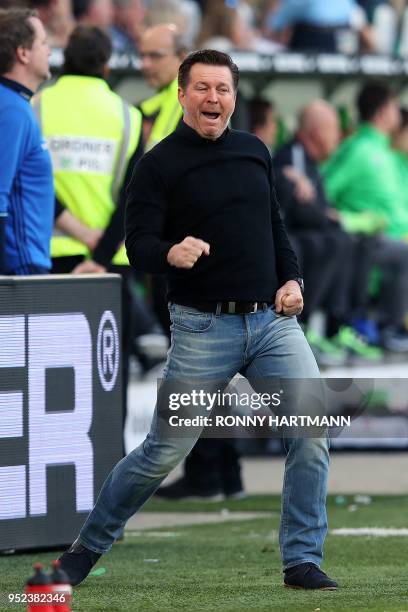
<point>211,346</point>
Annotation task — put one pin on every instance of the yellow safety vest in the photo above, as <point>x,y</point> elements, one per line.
<point>91,134</point>
<point>166,104</point>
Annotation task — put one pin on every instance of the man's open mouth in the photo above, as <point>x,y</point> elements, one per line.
<point>211,115</point>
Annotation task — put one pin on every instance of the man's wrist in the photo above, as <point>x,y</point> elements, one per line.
<point>299,280</point>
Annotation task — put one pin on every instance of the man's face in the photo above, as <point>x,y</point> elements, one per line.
<point>326,135</point>
<point>208,100</point>
<point>331,136</point>
<point>39,53</point>
<point>160,62</point>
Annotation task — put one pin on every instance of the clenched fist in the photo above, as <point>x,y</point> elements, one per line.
<point>289,300</point>
<point>186,253</point>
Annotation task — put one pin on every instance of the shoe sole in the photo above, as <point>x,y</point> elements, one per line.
<point>300,588</point>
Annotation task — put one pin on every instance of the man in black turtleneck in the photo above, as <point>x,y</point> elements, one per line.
<point>202,209</point>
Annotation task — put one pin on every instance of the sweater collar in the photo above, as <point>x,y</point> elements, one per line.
<point>23,91</point>
<point>189,133</point>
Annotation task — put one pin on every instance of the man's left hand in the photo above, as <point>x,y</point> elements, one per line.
<point>289,299</point>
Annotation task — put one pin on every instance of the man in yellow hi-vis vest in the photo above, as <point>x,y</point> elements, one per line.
<point>161,51</point>
<point>94,138</point>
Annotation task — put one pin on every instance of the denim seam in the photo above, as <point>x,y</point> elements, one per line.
<point>247,338</point>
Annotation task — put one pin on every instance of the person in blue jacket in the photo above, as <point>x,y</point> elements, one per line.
<point>26,181</point>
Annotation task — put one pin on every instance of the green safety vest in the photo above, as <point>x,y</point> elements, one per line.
<point>91,134</point>
<point>169,112</point>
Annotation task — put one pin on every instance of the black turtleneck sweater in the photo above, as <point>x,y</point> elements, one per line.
<point>222,192</point>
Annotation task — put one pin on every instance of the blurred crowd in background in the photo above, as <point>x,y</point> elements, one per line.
<point>264,26</point>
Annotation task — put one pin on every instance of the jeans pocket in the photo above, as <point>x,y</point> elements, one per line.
<point>184,318</point>
<point>280,315</point>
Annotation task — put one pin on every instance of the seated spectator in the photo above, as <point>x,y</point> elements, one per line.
<point>333,261</point>
<point>263,121</point>
<point>227,27</point>
<point>362,183</point>
<point>400,155</point>
<point>93,12</point>
<point>57,18</point>
<point>318,25</point>
<point>128,25</point>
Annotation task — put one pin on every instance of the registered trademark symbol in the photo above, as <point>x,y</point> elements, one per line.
<point>108,350</point>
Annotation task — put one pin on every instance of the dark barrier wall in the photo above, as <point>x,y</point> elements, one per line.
<point>60,403</point>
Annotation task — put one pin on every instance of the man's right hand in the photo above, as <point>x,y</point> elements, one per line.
<point>186,253</point>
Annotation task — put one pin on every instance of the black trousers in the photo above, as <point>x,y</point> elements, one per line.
<point>391,256</point>
<point>213,466</point>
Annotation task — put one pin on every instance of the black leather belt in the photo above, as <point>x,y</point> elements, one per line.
<point>230,307</point>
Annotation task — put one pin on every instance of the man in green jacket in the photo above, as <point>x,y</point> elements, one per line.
<point>400,156</point>
<point>362,182</point>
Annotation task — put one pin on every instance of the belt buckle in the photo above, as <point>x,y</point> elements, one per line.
<point>255,308</point>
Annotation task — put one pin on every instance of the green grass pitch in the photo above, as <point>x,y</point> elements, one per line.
<point>235,566</point>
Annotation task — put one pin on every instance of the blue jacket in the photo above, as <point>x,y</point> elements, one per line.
<point>26,184</point>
